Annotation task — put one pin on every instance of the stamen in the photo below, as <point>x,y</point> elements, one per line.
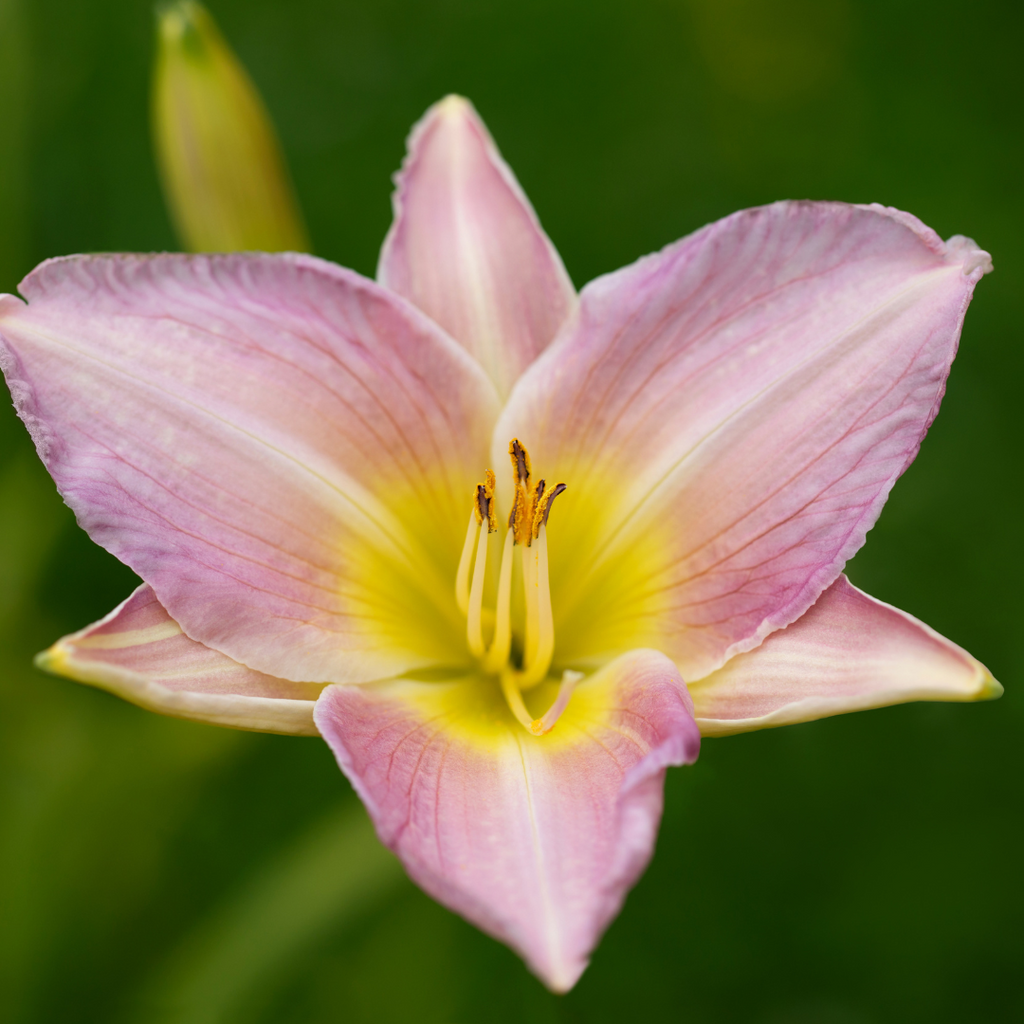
<point>462,576</point>
<point>519,519</point>
<point>542,506</point>
<point>528,561</point>
<point>538,659</point>
<point>474,629</point>
<point>471,599</point>
<point>520,461</point>
<point>485,501</point>
<point>527,522</point>
<point>522,504</point>
<point>497,655</point>
<point>474,617</point>
<point>513,513</point>
<point>515,701</point>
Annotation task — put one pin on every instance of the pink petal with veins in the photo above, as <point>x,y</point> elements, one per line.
<point>730,414</point>
<point>140,653</point>
<point>270,441</point>
<point>534,839</point>
<point>847,652</point>
<point>467,248</point>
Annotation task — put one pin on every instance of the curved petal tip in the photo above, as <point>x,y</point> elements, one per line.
<point>453,105</point>
<point>849,652</point>
<point>139,653</point>
<point>989,688</point>
<point>975,262</point>
<point>466,246</point>
<point>959,249</point>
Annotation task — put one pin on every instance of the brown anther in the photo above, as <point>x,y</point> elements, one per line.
<point>492,512</point>
<point>512,514</point>
<point>485,502</point>
<point>520,461</point>
<point>521,518</point>
<point>542,509</point>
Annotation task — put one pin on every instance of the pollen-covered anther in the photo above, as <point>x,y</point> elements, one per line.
<point>542,506</point>
<point>485,509</point>
<point>520,520</point>
<point>520,462</point>
<point>522,511</point>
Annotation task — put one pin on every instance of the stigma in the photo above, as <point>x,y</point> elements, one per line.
<point>526,540</point>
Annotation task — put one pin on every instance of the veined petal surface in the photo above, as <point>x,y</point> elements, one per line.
<point>140,653</point>
<point>281,448</point>
<point>467,248</point>
<point>730,415</point>
<point>534,839</point>
<point>847,652</point>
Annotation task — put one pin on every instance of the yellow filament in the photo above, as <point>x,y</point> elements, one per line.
<point>538,659</point>
<point>462,576</point>
<point>515,700</point>
<point>527,530</point>
<point>474,627</point>
<point>497,655</point>
<point>529,563</point>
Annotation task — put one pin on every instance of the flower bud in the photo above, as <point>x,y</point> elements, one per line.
<point>221,166</point>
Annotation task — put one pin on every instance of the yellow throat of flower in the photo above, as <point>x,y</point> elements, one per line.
<point>527,535</point>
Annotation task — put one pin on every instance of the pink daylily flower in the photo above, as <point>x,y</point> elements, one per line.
<point>287,453</point>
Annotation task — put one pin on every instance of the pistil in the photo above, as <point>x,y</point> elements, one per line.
<point>547,721</point>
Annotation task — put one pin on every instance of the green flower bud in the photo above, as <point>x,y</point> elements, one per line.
<point>223,173</point>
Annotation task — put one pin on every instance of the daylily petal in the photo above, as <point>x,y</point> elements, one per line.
<point>282,449</point>
<point>730,414</point>
<point>140,653</point>
<point>467,248</point>
<point>534,839</point>
<point>847,652</point>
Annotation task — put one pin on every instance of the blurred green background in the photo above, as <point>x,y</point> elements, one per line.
<point>860,870</point>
